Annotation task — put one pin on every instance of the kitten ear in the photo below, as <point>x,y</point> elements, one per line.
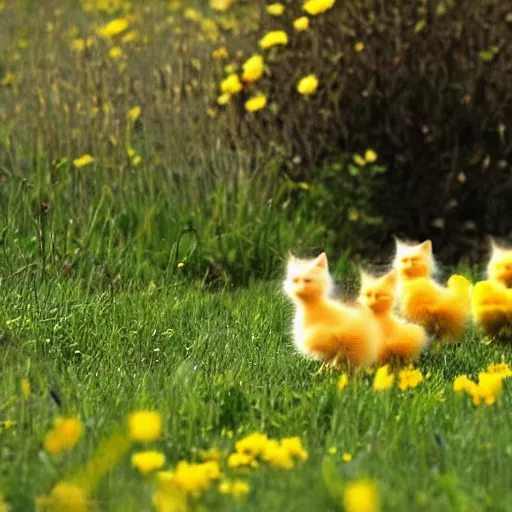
<point>363,275</point>
<point>496,249</point>
<point>291,258</point>
<point>320,261</point>
<point>426,246</point>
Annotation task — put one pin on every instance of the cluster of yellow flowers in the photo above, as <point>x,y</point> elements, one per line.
<point>253,69</point>
<point>407,378</point>
<point>64,435</point>
<point>489,385</point>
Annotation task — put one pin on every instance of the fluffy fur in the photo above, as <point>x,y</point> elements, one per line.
<point>442,311</point>
<point>491,306</point>
<point>499,269</point>
<point>398,338</point>
<point>324,328</point>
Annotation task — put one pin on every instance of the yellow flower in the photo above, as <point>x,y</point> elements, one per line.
<point>501,368</point>
<point>134,113</point>
<point>294,447</point>
<point>342,382</point>
<point>191,477</point>
<point>255,103</point>
<point>145,425</point>
<point>383,379</point>
<point>221,5</point>
<point>464,383</point>
<point>275,9</point>
<point>223,99</point>
<point>409,378</point>
<point>359,46</point>
<point>347,457</point>
<point>114,28</point>
<point>237,460</point>
<point>278,455</point>
<point>231,84</point>
<point>315,7</point>
<point>301,24</point>
<point>115,52</point>
<point>170,498</point>
<point>252,68</point>
<point>65,497</point>
<point>237,488</point>
<point>130,37</point>
<point>25,388</point>
<point>192,14</point>
<point>359,160</point>
<point>64,435</point>
<point>220,53</point>
<point>136,160</point>
<point>361,496</point>
<point>253,444</point>
<point>308,85</point>
<point>147,462</point>
<point>370,156</point>
<point>273,38</point>
<point>83,160</point>
<point>489,388</point>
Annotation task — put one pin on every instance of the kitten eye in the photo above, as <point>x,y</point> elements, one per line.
<point>295,280</point>
<point>307,280</point>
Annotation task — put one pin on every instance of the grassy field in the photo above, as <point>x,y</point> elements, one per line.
<point>219,366</point>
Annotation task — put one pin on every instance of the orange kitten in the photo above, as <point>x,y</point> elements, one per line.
<point>323,328</point>
<point>491,305</point>
<point>499,268</point>
<point>398,338</point>
<point>440,310</point>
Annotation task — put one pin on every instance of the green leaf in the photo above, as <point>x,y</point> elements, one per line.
<point>353,170</point>
<point>420,25</point>
<point>486,55</point>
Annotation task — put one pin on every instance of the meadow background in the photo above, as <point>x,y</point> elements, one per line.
<point>145,219</point>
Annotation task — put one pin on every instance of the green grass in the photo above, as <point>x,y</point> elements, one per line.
<point>217,364</point>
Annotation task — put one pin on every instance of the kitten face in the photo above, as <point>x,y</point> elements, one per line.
<point>500,266</point>
<point>413,261</point>
<point>378,293</point>
<point>307,279</point>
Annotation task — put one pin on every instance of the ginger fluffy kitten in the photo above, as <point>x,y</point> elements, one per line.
<point>398,338</point>
<point>323,328</point>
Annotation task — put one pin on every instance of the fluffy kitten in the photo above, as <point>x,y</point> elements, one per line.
<point>398,338</point>
<point>323,328</point>
<point>499,268</point>
<point>443,311</point>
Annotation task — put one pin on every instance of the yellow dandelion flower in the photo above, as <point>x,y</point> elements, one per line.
<point>237,488</point>
<point>131,37</point>
<point>278,455</point>
<point>275,9</point>
<point>64,435</point>
<point>252,69</point>
<point>489,388</point>
<point>223,99</point>
<point>501,368</point>
<point>147,462</point>
<point>221,5</point>
<point>114,28</point>
<point>463,383</point>
<point>342,382</point>
<point>65,496</point>
<point>192,14</point>
<point>359,160</point>
<point>347,457</point>
<point>253,444</point>
<point>115,53</point>
<point>25,388</point>
<point>361,496</point>
<point>83,161</point>
<point>308,85</point>
<point>220,53</point>
<point>294,447</point>
<point>191,477</point>
<point>359,46</point>
<point>273,38</point>
<point>301,24</point>
<point>383,379</point>
<point>409,378</point>
<point>136,160</point>
<point>315,7</point>
<point>231,84</point>
<point>145,425</point>
<point>256,103</point>
<point>134,113</point>
<point>237,460</point>
<point>370,156</point>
